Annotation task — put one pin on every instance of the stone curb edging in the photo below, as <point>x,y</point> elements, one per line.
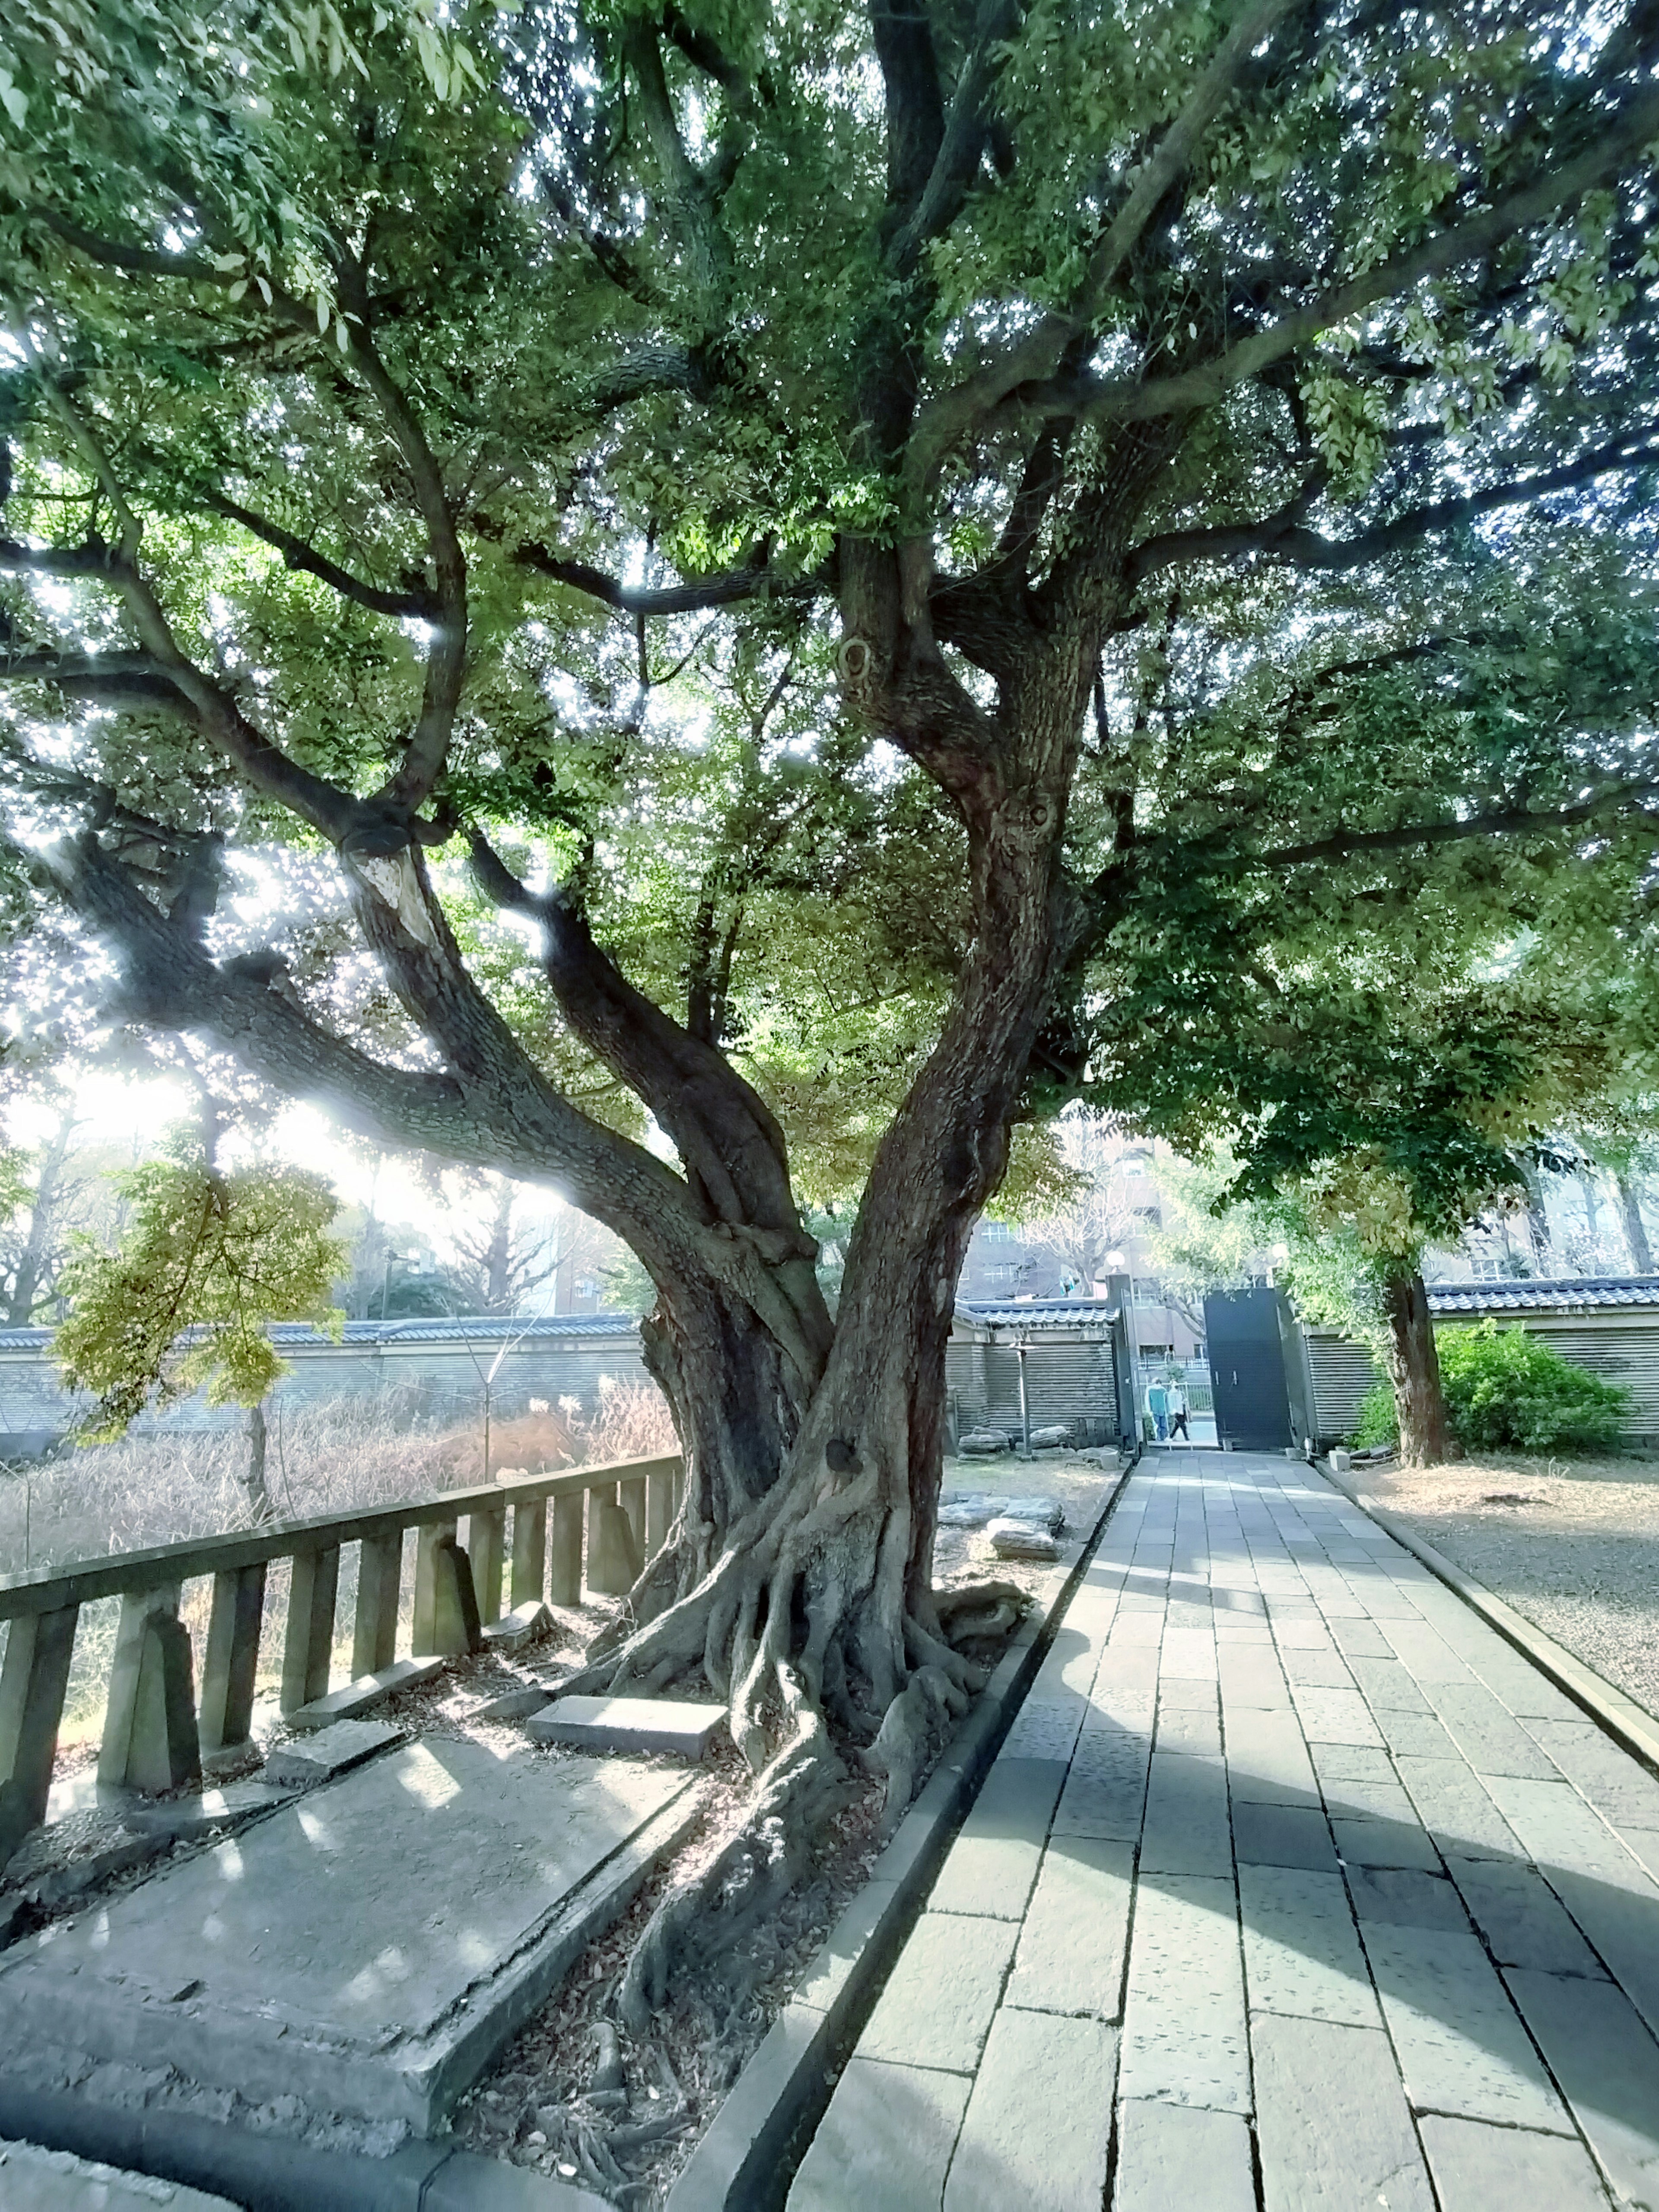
<point>1631,1728</point>
<point>747,2159</point>
<point>269,2173</point>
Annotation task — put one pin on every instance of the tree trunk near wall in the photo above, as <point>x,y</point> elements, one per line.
<point>1538,1221</point>
<point>1636,1229</point>
<point>1414,1365</point>
<point>258,1497</point>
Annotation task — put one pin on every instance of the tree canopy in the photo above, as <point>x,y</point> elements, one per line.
<point>588,583</point>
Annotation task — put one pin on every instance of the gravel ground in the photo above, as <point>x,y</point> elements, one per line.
<point>1573,1544</point>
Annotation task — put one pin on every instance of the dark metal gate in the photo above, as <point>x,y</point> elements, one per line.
<point>1247,1369</point>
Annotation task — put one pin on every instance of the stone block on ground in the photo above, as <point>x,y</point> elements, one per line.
<point>36,2180</point>
<point>514,1704</point>
<point>517,1630</point>
<point>1332,2119</point>
<point>356,1698</point>
<point>936,2007</point>
<point>331,1751</point>
<point>982,1443</point>
<point>182,1818</point>
<point>639,1725</point>
<point>1021,1540</point>
<point>367,1948</point>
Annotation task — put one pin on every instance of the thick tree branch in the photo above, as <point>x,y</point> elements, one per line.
<point>962,146</point>
<point>945,420</point>
<point>1625,799</point>
<point>1126,400</point>
<point>729,590</point>
<point>1281,536</point>
<point>298,554</point>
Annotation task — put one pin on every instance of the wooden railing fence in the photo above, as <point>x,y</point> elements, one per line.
<point>163,1716</point>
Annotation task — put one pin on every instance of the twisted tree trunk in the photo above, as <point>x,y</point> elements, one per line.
<point>1636,1229</point>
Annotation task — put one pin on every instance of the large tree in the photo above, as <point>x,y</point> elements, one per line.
<point>398,402</point>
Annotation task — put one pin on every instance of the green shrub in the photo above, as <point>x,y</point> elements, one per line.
<point>1507,1388</point>
<point>1376,1423</point>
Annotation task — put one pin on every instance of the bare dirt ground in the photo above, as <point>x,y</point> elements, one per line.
<point>1571,1544</point>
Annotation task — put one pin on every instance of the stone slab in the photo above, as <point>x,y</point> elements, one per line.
<point>332,1751</point>
<point>1183,2022</point>
<point>1477,2168</point>
<point>1072,1945</point>
<point>517,1630</point>
<point>936,2007</point>
<point>1302,1956</point>
<point>361,1697</point>
<point>1283,1836</point>
<point>1461,2044</point>
<point>1521,1917</point>
<point>625,1724</point>
<point>1038,2127</point>
<point>36,2180</point>
<point>1608,2066</point>
<point>1176,2157</point>
<point>1332,2121</point>
<point>367,1948</point>
<point>992,1863</point>
<point>885,2142</point>
<point>514,1704</point>
<point>1187,1830</point>
<point>184,1818</point>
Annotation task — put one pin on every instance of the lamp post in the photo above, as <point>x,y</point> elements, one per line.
<point>1022,1346</point>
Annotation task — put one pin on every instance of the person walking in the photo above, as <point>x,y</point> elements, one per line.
<point>1175,1400</point>
<point>1157,1402</point>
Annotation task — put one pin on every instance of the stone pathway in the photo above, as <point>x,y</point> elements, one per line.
<point>1293,1887</point>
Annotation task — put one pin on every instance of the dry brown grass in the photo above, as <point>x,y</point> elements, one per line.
<point>325,1458</point>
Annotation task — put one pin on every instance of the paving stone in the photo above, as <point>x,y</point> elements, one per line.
<point>1366,1797</point>
<point>1317,1670</point>
<point>1334,1716</point>
<point>1293,1632</point>
<point>1179,1694</point>
<point>1360,1640</point>
<point>1461,2045</point>
<point>1457,1808</point>
<point>1038,2127</point>
<point>1267,1760</point>
<point>1427,1654</point>
<point>935,2010</point>
<point>1282,1836</point>
<point>362,1696</point>
<point>1047,1730</point>
<point>629,1724</point>
<point>1187,1828</point>
<point>1621,1791</point>
<point>1171,2156</point>
<point>1406,1898</point>
<point>885,2142</point>
<point>1301,1954</point>
<point>1415,1736</point>
<point>1197,1734</point>
<point>331,1751</point>
<point>1071,1946</point>
<point>184,1818</point>
<point>1387,1685</point>
<point>1350,1762</point>
<point>1621,1922</point>
<point>1521,1918</point>
<point>1385,1843</point>
<point>1251,1678</point>
<point>36,2180</point>
<point>990,1867</point>
<point>1490,1737</point>
<point>1478,2168</point>
<point>1332,2121</point>
<point>1184,2039</point>
<point>1105,1792</point>
<point>1608,2066</point>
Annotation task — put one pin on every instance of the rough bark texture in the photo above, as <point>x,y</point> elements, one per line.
<point>259,1495</point>
<point>1414,1366</point>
